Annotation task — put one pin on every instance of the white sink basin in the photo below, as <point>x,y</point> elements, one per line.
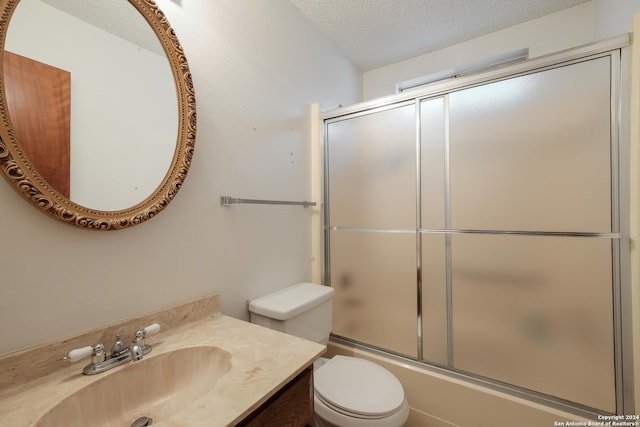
<point>157,387</point>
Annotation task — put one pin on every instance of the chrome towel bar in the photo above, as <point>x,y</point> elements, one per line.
<point>228,200</point>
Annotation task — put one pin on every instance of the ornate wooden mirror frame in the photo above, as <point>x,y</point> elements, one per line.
<point>26,180</point>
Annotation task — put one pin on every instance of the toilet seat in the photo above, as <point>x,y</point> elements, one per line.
<point>358,388</point>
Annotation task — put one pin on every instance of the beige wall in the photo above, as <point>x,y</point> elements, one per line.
<point>252,90</point>
<point>256,66</point>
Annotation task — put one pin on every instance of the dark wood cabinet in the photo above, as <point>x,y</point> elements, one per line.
<point>291,406</point>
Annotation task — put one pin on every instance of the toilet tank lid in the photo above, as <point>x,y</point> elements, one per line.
<point>290,302</point>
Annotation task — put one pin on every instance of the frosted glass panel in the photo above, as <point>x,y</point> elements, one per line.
<point>372,170</point>
<point>536,312</point>
<point>533,152</point>
<point>432,163</point>
<point>374,278</point>
<point>434,299</point>
<point>529,153</point>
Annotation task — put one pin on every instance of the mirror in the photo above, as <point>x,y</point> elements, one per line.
<point>98,69</point>
<point>132,129</point>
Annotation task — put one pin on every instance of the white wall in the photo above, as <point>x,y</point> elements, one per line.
<point>256,65</point>
<point>561,30</point>
<point>588,22</point>
<point>614,17</point>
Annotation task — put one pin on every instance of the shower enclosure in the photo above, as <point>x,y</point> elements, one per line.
<point>478,226</point>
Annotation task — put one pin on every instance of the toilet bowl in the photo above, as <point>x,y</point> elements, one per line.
<point>355,392</point>
<point>348,391</point>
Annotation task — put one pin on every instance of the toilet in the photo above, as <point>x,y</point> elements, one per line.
<point>348,391</point>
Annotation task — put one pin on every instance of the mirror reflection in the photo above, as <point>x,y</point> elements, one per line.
<point>119,98</point>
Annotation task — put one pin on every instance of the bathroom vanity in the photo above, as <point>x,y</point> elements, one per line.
<point>292,405</point>
<point>204,369</point>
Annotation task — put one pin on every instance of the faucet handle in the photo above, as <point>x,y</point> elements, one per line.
<point>141,334</point>
<point>152,329</point>
<point>139,348</point>
<point>78,354</point>
<point>139,338</point>
<point>97,354</point>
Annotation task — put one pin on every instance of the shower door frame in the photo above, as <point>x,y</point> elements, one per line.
<point>617,49</point>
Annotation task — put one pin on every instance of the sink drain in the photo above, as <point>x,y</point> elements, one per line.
<point>142,422</point>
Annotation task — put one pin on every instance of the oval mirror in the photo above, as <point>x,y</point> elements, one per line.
<point>98,109</point>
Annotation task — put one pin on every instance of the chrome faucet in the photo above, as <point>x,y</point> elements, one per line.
<point>119,347</point>
<point>120,354</point>
<point>138,347</point>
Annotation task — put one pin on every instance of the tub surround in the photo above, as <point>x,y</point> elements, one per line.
<point>436,399</point>
<point>262,362</point>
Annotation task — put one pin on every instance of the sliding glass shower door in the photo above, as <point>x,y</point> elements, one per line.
<point>477,229</point>
<point>373,240</point>
<point>532,156</point>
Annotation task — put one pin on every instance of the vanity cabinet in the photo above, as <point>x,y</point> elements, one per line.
<point>291,406</point>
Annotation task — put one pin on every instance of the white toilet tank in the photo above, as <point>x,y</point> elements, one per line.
<point>302,310</point>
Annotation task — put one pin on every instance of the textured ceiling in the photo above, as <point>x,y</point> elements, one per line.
<point>374,33</point>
